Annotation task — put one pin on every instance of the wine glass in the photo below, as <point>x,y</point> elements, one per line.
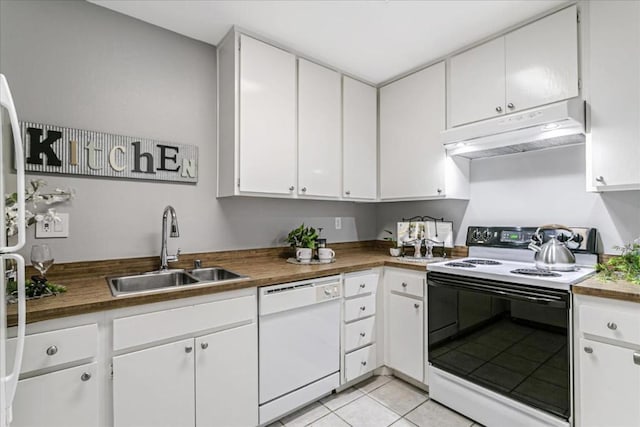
<point>42,259</point>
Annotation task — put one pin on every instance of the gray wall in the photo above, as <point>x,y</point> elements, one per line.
<point>75,64</point>
<point>531,189</point>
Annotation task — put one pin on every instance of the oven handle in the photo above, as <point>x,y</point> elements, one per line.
<point>549,301</point>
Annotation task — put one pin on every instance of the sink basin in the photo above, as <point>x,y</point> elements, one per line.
<point>159,281</point>
<point>149,282</point>
<point>215,274</point>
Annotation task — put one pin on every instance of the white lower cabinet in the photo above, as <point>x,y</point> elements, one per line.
<point>204,379</point>
<point>66,398</point>
<point>359,331</point>
<point>404,318</point>
<point>607,362</point>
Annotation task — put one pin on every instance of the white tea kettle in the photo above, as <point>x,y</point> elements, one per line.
<point>552,255</point>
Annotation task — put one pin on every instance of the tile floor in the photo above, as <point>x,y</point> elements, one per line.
<point>380,401</point>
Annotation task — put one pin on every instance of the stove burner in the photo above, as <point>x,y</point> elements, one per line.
<point>460,264</point>
<point>482,262</point>
<point>535,272</point>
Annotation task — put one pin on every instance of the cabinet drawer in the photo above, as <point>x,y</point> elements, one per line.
<point>360,284</point>
<point>160,325</point>
<point>406,283</point>
<point>359,333</point>
<point>360,362</point>
<point>610,322</point>
<point>48,349</point>
<point>359,307</point>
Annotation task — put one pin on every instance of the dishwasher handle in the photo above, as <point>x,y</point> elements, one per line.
<point>281,298</point>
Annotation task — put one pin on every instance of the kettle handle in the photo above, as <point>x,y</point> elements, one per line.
<point>538,238</point>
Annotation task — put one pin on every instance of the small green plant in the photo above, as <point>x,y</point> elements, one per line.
<point>623,267</point>
<point>303,237</point>
<point>34,289</point>
<point>390,238</point>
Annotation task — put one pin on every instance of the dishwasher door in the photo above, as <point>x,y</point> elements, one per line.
<point>298,346</point>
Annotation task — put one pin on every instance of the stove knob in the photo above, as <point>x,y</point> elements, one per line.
<point>486,235</point>
<point>476,235</point>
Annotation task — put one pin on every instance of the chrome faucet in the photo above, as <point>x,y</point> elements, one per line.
<point>165,259</point>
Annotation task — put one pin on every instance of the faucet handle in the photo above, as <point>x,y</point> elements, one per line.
<point>174,258</point>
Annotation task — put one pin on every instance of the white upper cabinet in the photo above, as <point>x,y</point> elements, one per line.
<point>613,95</point>
<point>477,83</point>
<point>319,131</point>
<point>542,61</point>
<point>532,66</point>
<point>413,163</point>
<point>257,118</point>
<point>359,133</point>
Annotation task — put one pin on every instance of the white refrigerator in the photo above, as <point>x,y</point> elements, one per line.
<point>10,146</point>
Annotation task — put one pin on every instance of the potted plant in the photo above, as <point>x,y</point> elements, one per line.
<point>394,250</point>
<point>624,267</point>
<point>303,240</point>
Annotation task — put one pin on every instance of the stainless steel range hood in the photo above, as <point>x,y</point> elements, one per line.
<point>553,125</point>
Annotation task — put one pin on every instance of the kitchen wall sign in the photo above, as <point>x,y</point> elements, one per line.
<point>67,151</point>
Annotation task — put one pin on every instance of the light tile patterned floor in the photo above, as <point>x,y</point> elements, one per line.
<point>380,401</point>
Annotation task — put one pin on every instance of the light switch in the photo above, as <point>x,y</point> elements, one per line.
<point>51,229</point>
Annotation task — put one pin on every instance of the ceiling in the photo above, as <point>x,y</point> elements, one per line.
<point>373,40</point>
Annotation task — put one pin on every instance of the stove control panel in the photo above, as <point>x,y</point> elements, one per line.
<point>582,240</point>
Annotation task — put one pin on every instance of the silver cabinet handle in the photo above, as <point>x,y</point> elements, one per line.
<point>347,192</point>
<point>86,376</point>
<point>292,188</point>
<point>600,179</point>
<point>636,358</point>
<point>499,109</point>
<point>52,350</point>
<point>204,345</point>
<point>304,189</point>
<point>416,305</point>
<point>363,363</point>
<point>362,285</point>
<point>188,349</point>
<point>510,105</point>
<point>363,308</point>
<point>612,326</point>
<point>588,350</point>
<point>404,285</point>
<point>362,334</point>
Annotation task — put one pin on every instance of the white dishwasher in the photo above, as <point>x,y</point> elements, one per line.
<point>299,343</point>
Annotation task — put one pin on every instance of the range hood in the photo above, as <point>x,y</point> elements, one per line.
<point>553,125</point>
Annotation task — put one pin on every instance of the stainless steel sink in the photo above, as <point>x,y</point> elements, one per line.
<point>159,281</point>
<point>215,274</point>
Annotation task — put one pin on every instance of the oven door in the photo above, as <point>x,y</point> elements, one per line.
<point>509,338</point>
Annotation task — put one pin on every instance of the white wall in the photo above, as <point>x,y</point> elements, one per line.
<point>531,189</point>
<point>71,63</point>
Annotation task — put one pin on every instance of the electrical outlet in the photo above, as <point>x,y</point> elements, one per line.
<point>51,229</point>
<point>338,223</point>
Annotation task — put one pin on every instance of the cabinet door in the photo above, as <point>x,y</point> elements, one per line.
<point>542,61</point>
<point>319,139</point>
<point>406,335</point>
<point>227,378</point>
<point>412,115</point>
<point>359,133</point>
<point>609,385</point>
<point>267,157</point>
<point>155,387</point>
<point>614,100</point>
<point>477,83</point>
<point>64,398</point>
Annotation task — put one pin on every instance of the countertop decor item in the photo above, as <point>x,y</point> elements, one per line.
<point>312,262</point>
<point>394,250</point>
<point>303,237</point>
<point>623,267</point>
<point>33,289</point>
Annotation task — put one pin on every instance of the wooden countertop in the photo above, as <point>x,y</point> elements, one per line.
<point>620,289</point>
<point>90,292</point>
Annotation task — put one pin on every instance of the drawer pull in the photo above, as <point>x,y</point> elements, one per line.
<point>636,358</point>
<point>204,345</point>
<point>188,349</point>
<point>362,285</point>
<point>52,350</point>
<point>363,308</point>
<point>588,350</point>
<point>416,305</point>
<point>86,376</point>
<point>612,326</point>
<point>363,363</point>
<point>362,334</point>
<point>404,284</point>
